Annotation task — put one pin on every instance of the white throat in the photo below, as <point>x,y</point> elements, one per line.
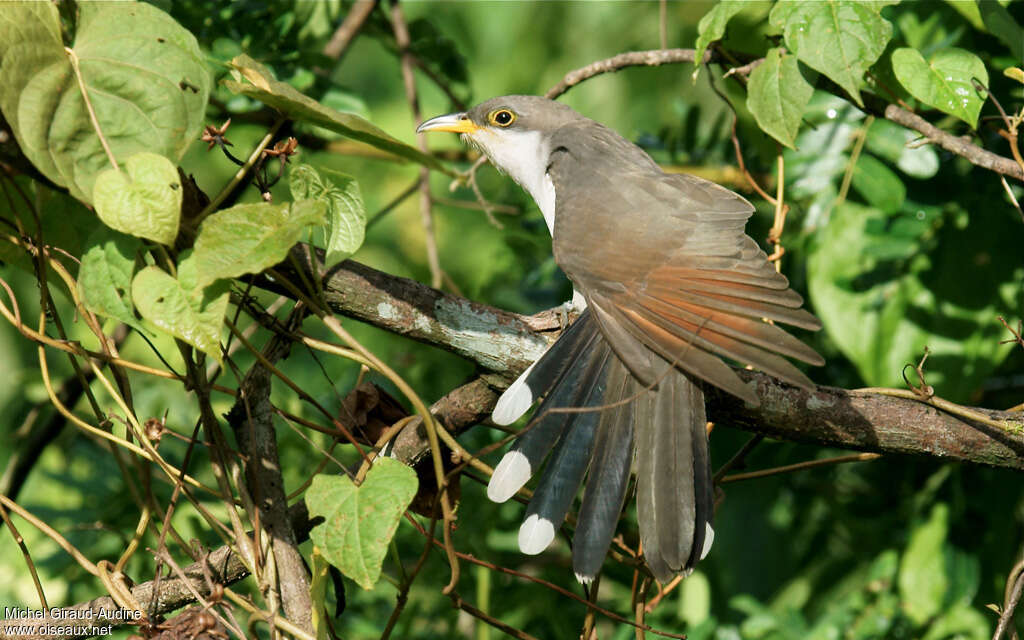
<point>523,155</point>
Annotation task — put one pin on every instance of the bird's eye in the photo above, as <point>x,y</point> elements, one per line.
<point>502,117</point>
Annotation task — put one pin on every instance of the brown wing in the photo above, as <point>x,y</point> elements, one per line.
<point>664,262</point>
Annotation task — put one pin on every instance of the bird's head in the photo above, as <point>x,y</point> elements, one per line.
<point>513,131</point>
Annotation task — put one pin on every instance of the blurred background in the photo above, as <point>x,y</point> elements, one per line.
<point>911,247</point>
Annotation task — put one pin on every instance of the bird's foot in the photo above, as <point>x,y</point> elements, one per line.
<point>575,306</point>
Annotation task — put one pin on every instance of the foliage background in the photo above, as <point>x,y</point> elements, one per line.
<point>898,547</point>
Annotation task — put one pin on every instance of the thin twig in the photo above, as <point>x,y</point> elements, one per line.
<point>799,466</point>
<point>350,26</point>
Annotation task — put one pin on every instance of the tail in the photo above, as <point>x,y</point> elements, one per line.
<point>609,411</point>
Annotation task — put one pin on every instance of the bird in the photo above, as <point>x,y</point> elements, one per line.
<point>669,287</point>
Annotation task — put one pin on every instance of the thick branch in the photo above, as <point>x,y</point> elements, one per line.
<point>505,343</point>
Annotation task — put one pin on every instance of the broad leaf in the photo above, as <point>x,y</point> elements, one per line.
<point>777,96</point>
<point>145,76</point>
<point>105,277</point>
<point>346,214</point>
<point>881,310</point>
<point>193,315</point>
<point>877,183</point>
<point>839,38</point>
<point>248,238</point>
<point>360,521</point>
<point>944,81</point>
<point>257,81</point>
<point>142,199</point>
<point>923,581</point>
<point>712,25</point>
<point>894,143</point>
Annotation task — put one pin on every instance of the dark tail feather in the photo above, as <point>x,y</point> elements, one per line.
<point>564,470</point>
<point>608,477</point>
<point>674,505</point>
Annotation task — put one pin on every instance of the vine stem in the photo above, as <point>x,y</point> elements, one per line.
<point>73,59</point>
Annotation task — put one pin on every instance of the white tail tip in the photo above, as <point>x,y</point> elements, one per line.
<point>709,539</point>
<point>509,476</point>
<point>535,535</point>
<point>516,401</point>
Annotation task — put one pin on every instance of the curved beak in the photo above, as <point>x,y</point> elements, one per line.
<point>453,122</point>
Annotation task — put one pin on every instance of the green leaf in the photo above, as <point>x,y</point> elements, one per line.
<point>248,238</point>
<point>1001,24</point>
<point>881,311</point>
<point>146,202</point>
<point>105,277</point>
<point>890,141</point>
<point>777,96</point>
<point>712,26</point>
<point>960,622</point>
<point>346,214</point>
<point>360,521</point>
<point>145,76</point>
<point>877,183</point>
<point>968,9</point>
<point>839,38</point>
<point>257,81</point>
<point>944,81</point>
<point>923,580</point>
<point>193,315</point>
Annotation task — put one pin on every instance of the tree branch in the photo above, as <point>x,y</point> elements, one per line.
<point>656,57</point>
<point>505,343</point>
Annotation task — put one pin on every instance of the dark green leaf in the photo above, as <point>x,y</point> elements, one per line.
<point>1001,24</point>
<point>193,315</point>
<point>142,199</point>
<point>881,313</point>
<point>346,214</point>
<point>839,38</point>
<point>944,81</point>
<point>257,81</point>
<point>877,184</point>
<point>145,76</point>
<point>248,238</point>
<point>777,96</point>
<point>105,277</point>
<point>360,521</point>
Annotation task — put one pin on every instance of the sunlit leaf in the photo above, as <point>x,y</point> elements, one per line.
<point>194,315</point>
<point>944,81</point>
<point>777,95</point>
<point>145,76</point>
<point>923,580</point>
<point>105,277</point>
<point>248,238</point>
<point>359,522</point>
<point>346,214</point>
<point>712,25</point>
<point>894,143</point>
<point>260,84</point>
<point>839,38</point>
<point>142,199</point>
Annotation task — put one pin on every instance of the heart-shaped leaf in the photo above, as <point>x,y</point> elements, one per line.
<point>359,522</point>
<point>777,96</point>
<point>105,277</point>
<point>145,77</point>
<point>248,238</point>
<point>194,315</point>
<point>839,38</point>
<point>261,85</point>
<point>346,214</point>
<point>944,81</point>
<point>144,200</point>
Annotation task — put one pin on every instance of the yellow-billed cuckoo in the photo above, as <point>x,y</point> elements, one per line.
<point>671,285</point>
